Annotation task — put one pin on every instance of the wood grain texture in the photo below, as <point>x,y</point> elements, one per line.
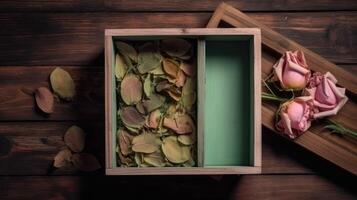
<point>28,148</point>
<point>339,150</point>
<point>178,5</point>
<point>177,187</point>
<point>17,104</point>
<point>77,38</point>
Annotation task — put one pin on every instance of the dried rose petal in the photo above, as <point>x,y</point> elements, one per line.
<point>175,46</point>
<point>63,158</point>
<point>148,89</point>
<point>44,99</point>
<point>162,86</point>
<point>154,119</point>
<point>62,83</point>
<point>170,67</point>
<point>155,159</point>
<point>181,78</point>
<point>175,152</point>
<point>131,117</point>
<point>125,140</point>
<point>85,162</point>
<point>120,67</point>
<point>149,58</point>
<point>181,124</point>
<point>131,89</point>
<point>153,103</point>
<point>74,138</point>
<point>188,68</point>
<point>145,143</point>
<point>127,50</point>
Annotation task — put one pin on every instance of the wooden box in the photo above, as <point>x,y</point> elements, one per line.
<point>228,101</point>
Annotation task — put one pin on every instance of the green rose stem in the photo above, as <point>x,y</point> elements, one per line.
<point>267,96</point>
<point>338,128</point>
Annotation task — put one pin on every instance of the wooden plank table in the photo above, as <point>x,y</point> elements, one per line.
<point>36,36</point>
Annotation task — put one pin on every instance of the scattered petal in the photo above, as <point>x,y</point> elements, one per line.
<point>63,159</point>
<point>62,83</point>
<point>85,162</point>
<point>44,99</point>
<point>131,117</point>
<point>74,138</point>
<point>131,89</point>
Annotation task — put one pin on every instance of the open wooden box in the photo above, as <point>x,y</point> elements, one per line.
<point>228,100</point>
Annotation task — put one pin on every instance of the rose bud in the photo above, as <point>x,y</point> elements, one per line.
<point>292,71</point>
<point>295,116</point>
<point>328,98</point>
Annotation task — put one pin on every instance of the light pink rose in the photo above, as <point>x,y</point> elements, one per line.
<point>295,116</point>
<point>292,71</point>
<point>328,98</point>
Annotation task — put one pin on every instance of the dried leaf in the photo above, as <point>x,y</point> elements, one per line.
<point>131,89</point>
<point>120,67</point>
<point>44,99</point>
<point>170,67</point>
<point>174,93</point>
<point>131,117</point>
<point>175,47</point>
<point>148,85</point>
<point>181,124</point>
<point>85,162</point>
<point>74,138</point>
<point>189,94</point>
<point>125,140</point>
<point>62,83</point>
<point>174,152</point>
<point>145,143</point>
<point>181,78</point>
<point>162,86</point>
<point>128,50</point>
<point>155,159</point>
<point>187,139</point>
<point>154,119</point>
<point>149,58</point>
<point>63,159</point>
<point>126,161</point>
<point>153,103</point>
<point>188,68</point>
<point>158,70</point>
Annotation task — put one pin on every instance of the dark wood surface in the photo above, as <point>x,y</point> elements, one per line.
<point>36,36</point>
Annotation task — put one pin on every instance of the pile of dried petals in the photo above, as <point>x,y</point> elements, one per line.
<point>156,94</point>
<point>313,95</point>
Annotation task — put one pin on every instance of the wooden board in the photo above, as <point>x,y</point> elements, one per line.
<point>340,150</point>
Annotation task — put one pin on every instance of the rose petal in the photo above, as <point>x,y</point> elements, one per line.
<point>74,138</point>
<point>131,89</point>
<point>44,99</point>
<point>131,117</point>
<point>62,83</point>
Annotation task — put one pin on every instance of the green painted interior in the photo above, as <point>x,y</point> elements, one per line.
<point>228,108</point>
<point>229,103</point>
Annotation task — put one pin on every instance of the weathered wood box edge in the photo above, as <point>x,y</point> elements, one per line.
<point>254,166</point>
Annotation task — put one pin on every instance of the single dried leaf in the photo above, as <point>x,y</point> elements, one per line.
<point>174,93</point>
<point>181,124</point>
<point>44,99</point>
<point>188,68</point>
<point>148,89</point>
<point>181,78</point>
<point>131,89</point>
<point>126,161</point>
<point>120,67</point>
<point>189,94</point>
<point>128,50</point>
<point>145,143</point>
<point>170,67</point>
<point>63,158</point>
<point>155,102</point>
<point>62,84</point>
<point>74,138</point>
<point>125,140</point>
<point>85,162</point>
<point>154,119</point>
<point>175,47</point>
<point>149,58</point>
<point>187,139</point>
<point>131,117</point>
<point>175,152</point>
<point>155,159</point>
<point>163,85</point>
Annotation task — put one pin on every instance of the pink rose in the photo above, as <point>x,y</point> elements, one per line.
<point>292,71</point>
<point>295,116</point>
<point>328,98</point>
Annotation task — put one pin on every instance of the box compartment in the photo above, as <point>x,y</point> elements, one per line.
<point>228,101</point>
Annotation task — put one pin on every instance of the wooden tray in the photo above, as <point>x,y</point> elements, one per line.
<point>340,150</point>
<point>228,102</point>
